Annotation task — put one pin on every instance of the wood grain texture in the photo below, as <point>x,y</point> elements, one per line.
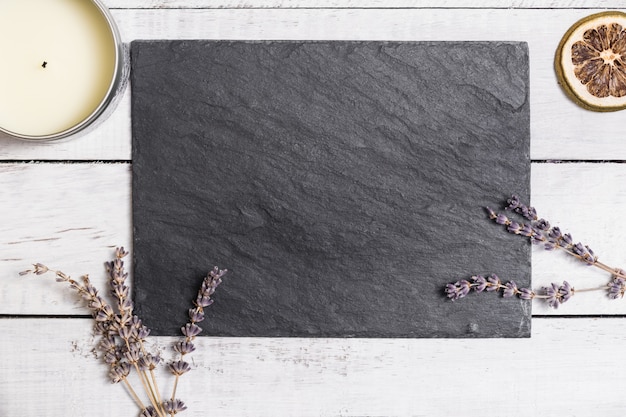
<point>584,200</point>
<point>581,134</point>
<point>360,4</point>
<point>67,216</point>
<point>570,367</point>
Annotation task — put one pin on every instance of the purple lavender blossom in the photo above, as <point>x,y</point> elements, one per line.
<point>148,412</point>
<point>493,283</point>
<point>552,295</point>
<point>191,330</point>
<point>458,290</point>
<point>514,204</point>
<point>526,294</point>
<point>566,291</point>
<point>179,367</point>
<point>119,372</point>
<point>174,406</point>
<point>510,289</point>
<point>542,225</point>
<point>184,347</point>
<point>558,294</point>
<point>480,283</point>
<point>617,286</point>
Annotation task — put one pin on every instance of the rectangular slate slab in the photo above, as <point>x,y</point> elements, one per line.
<point>342,184</point>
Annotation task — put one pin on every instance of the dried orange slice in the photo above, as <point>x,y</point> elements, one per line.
<point>590,61</point>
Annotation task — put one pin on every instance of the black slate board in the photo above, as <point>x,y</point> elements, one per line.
<point>341,183</point>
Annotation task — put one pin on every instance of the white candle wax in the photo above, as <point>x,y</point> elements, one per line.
<point>59,63</point>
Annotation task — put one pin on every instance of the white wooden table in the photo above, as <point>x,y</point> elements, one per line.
<point>67,204</point>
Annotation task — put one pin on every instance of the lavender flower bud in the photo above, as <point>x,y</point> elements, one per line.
<point>492,214</point>
<point>179,367</point>
<point>451,291</point>
<point>107,343</point>
<point>174,406</point>
<point>501,219</point>
<point>149,362</point>
<point>40,269</point>
<point>537,237</point>
<point>526,230</point>
<point>542,224</point>
<point>526,294</point>
<point>480,283</point>
<point>133,354</point>
<point>149,411</point>
<point>553,295</point>
<point>509,289</point>
<point>458,290</point>
<point>204,301</point>
<point>96,303</point>
<point>111,357</point>
<point>567,239</point>
<point>549,245</point>
<point>578,249</point>
<point>191,330</point>
<point>119,291</point>
<point>512,203</point>
<point>142,333</point>
<point>514,227</point>
<point>493,283</point>
<point>184,347</point>
<point>555,233</point>
<point>196,315</point>
<point>120,252</point>
<point>119,372</point>
<point>617,287</point>
<point>61,277</point>
<point>530,213</point>
<point>566,291</point>
<point>105,314</point>
<point>126,332</point>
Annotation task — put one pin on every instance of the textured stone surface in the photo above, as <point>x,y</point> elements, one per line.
<point>341,183</point>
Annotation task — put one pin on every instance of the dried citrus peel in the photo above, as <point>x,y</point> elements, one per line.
<point>590,61</point>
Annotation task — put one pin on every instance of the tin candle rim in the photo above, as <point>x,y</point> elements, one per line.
<point>116,82</point>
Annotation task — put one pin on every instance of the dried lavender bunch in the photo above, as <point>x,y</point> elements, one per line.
<point>539,231</point>
<point>122,334</point>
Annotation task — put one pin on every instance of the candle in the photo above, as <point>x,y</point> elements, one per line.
<point>61,66</point>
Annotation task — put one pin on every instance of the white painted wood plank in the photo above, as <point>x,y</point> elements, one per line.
<point>360,4</point>
<point>568,367</point>
<point>70,216</point>
<point>585,200</point>
<point>559,128</point>
<point>66,215</point>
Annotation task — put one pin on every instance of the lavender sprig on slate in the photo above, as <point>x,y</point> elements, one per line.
<point>539,231</point>
<point>123,333</point>
<point>555,295</point>
<point>190,330</point>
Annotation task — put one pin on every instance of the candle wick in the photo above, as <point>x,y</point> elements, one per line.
<point>44,64</point>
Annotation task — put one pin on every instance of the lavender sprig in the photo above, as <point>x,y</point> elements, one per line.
<point>190,330</point>
<point>539,231</point>
<point>123,334</point>
<point>555,294</point>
